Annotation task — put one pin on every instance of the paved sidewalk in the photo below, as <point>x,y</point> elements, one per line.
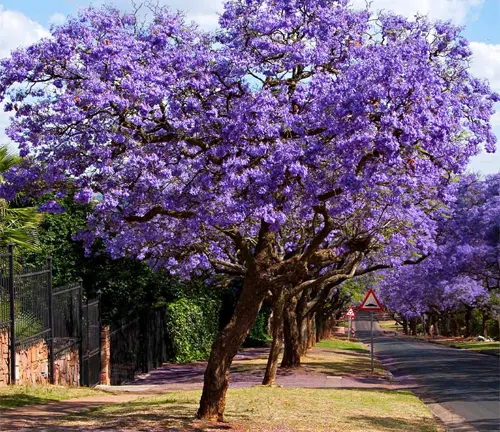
<point>176,377</point>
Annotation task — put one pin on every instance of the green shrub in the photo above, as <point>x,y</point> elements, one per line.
<point>259,335</point>
<point>191,326</point>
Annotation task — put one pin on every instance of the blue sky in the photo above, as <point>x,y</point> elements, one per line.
<point>24,21</point>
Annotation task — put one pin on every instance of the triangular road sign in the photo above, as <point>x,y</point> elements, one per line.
<point>371,303</point>
<point>350,313</point>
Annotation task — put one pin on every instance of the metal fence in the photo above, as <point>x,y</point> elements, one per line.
<point>137,345</point>
<point>33,312</point>
<point>90,359</point>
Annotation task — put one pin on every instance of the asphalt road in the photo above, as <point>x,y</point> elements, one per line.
<point>466,383</point>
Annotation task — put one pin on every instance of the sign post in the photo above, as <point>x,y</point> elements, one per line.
<point>371,304</point>
<point>350,314</point>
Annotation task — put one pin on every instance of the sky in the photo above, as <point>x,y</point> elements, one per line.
<point>23,22</point>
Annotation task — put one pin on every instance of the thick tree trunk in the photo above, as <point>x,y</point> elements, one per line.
<point>291,353</point>
<point>302,323</point>
<point>323,327</point>
<point>311,338</point>
<point>225,347</point>
<point>277,343</point>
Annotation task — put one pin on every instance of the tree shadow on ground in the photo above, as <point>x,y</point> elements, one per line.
<point>170,415</point>
<point>19,399</point>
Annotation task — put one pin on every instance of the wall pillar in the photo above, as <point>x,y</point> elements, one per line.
<point>105,355</point>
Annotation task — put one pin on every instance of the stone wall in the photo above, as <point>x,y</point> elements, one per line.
<point>32,366</point>
<point>4,357</point>
<point>67,368</point>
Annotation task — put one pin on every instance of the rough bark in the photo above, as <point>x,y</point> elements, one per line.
<point>311,336</point>
<point>225,347</point>
<point>277,343</point>
<point>291,353</point>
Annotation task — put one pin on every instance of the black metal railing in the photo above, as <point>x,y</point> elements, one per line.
<point>137,345</point>
<point>33,311</point>
<point>90,354</point>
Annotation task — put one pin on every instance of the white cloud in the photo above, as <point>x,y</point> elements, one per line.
<point>457,11</point>
<point>486,63</point>
<point>205,13</point>
<point>57,18</point>
<point>16,30</point>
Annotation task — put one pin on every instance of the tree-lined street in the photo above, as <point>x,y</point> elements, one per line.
<point>201,191</point>
<point>464,382</point>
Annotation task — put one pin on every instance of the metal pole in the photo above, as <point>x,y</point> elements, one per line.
<point>371,331</point>
<point>51,321</point>
<point>12,316</point>
<point>80,331</point>
<point>349,334</point>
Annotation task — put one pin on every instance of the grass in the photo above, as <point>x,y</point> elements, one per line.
<point>389,325</point>
<point>16,396</point>
<point>472,345</point>
<point>259,409</point>
<point>333,357</point>
<point>342,344</point>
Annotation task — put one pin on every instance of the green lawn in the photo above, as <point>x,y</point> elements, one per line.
<point>16,396</point>
<point>389,325</point>
<point>259,409</point>
<point>472,345</point>
<point>342,344</point>
<point>334,357</point>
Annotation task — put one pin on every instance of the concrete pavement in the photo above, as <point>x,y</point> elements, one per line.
<point>464,383</point>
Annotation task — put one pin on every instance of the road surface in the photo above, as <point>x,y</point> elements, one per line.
<point>465,383</point>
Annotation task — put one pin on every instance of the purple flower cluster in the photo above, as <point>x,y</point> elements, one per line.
<point>465,267</point>
<point>294,113</point>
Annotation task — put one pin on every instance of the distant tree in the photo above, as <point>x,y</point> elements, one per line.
<point>464,270</point>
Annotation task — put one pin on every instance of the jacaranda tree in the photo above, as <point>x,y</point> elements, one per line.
<point>283,150</point>
<point>464,269</point>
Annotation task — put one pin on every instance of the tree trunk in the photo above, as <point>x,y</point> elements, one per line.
<point>291,353</point>
<point>302,323</point>
<point>485,324</point>
<point>225,347</point>
<point>312,332</point>
<point>468,316</point>
<point>277,343</point>
<point>405,326</point>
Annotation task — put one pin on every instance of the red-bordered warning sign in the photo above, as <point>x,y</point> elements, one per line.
<point>371,303</point>
<point>350,313</point>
